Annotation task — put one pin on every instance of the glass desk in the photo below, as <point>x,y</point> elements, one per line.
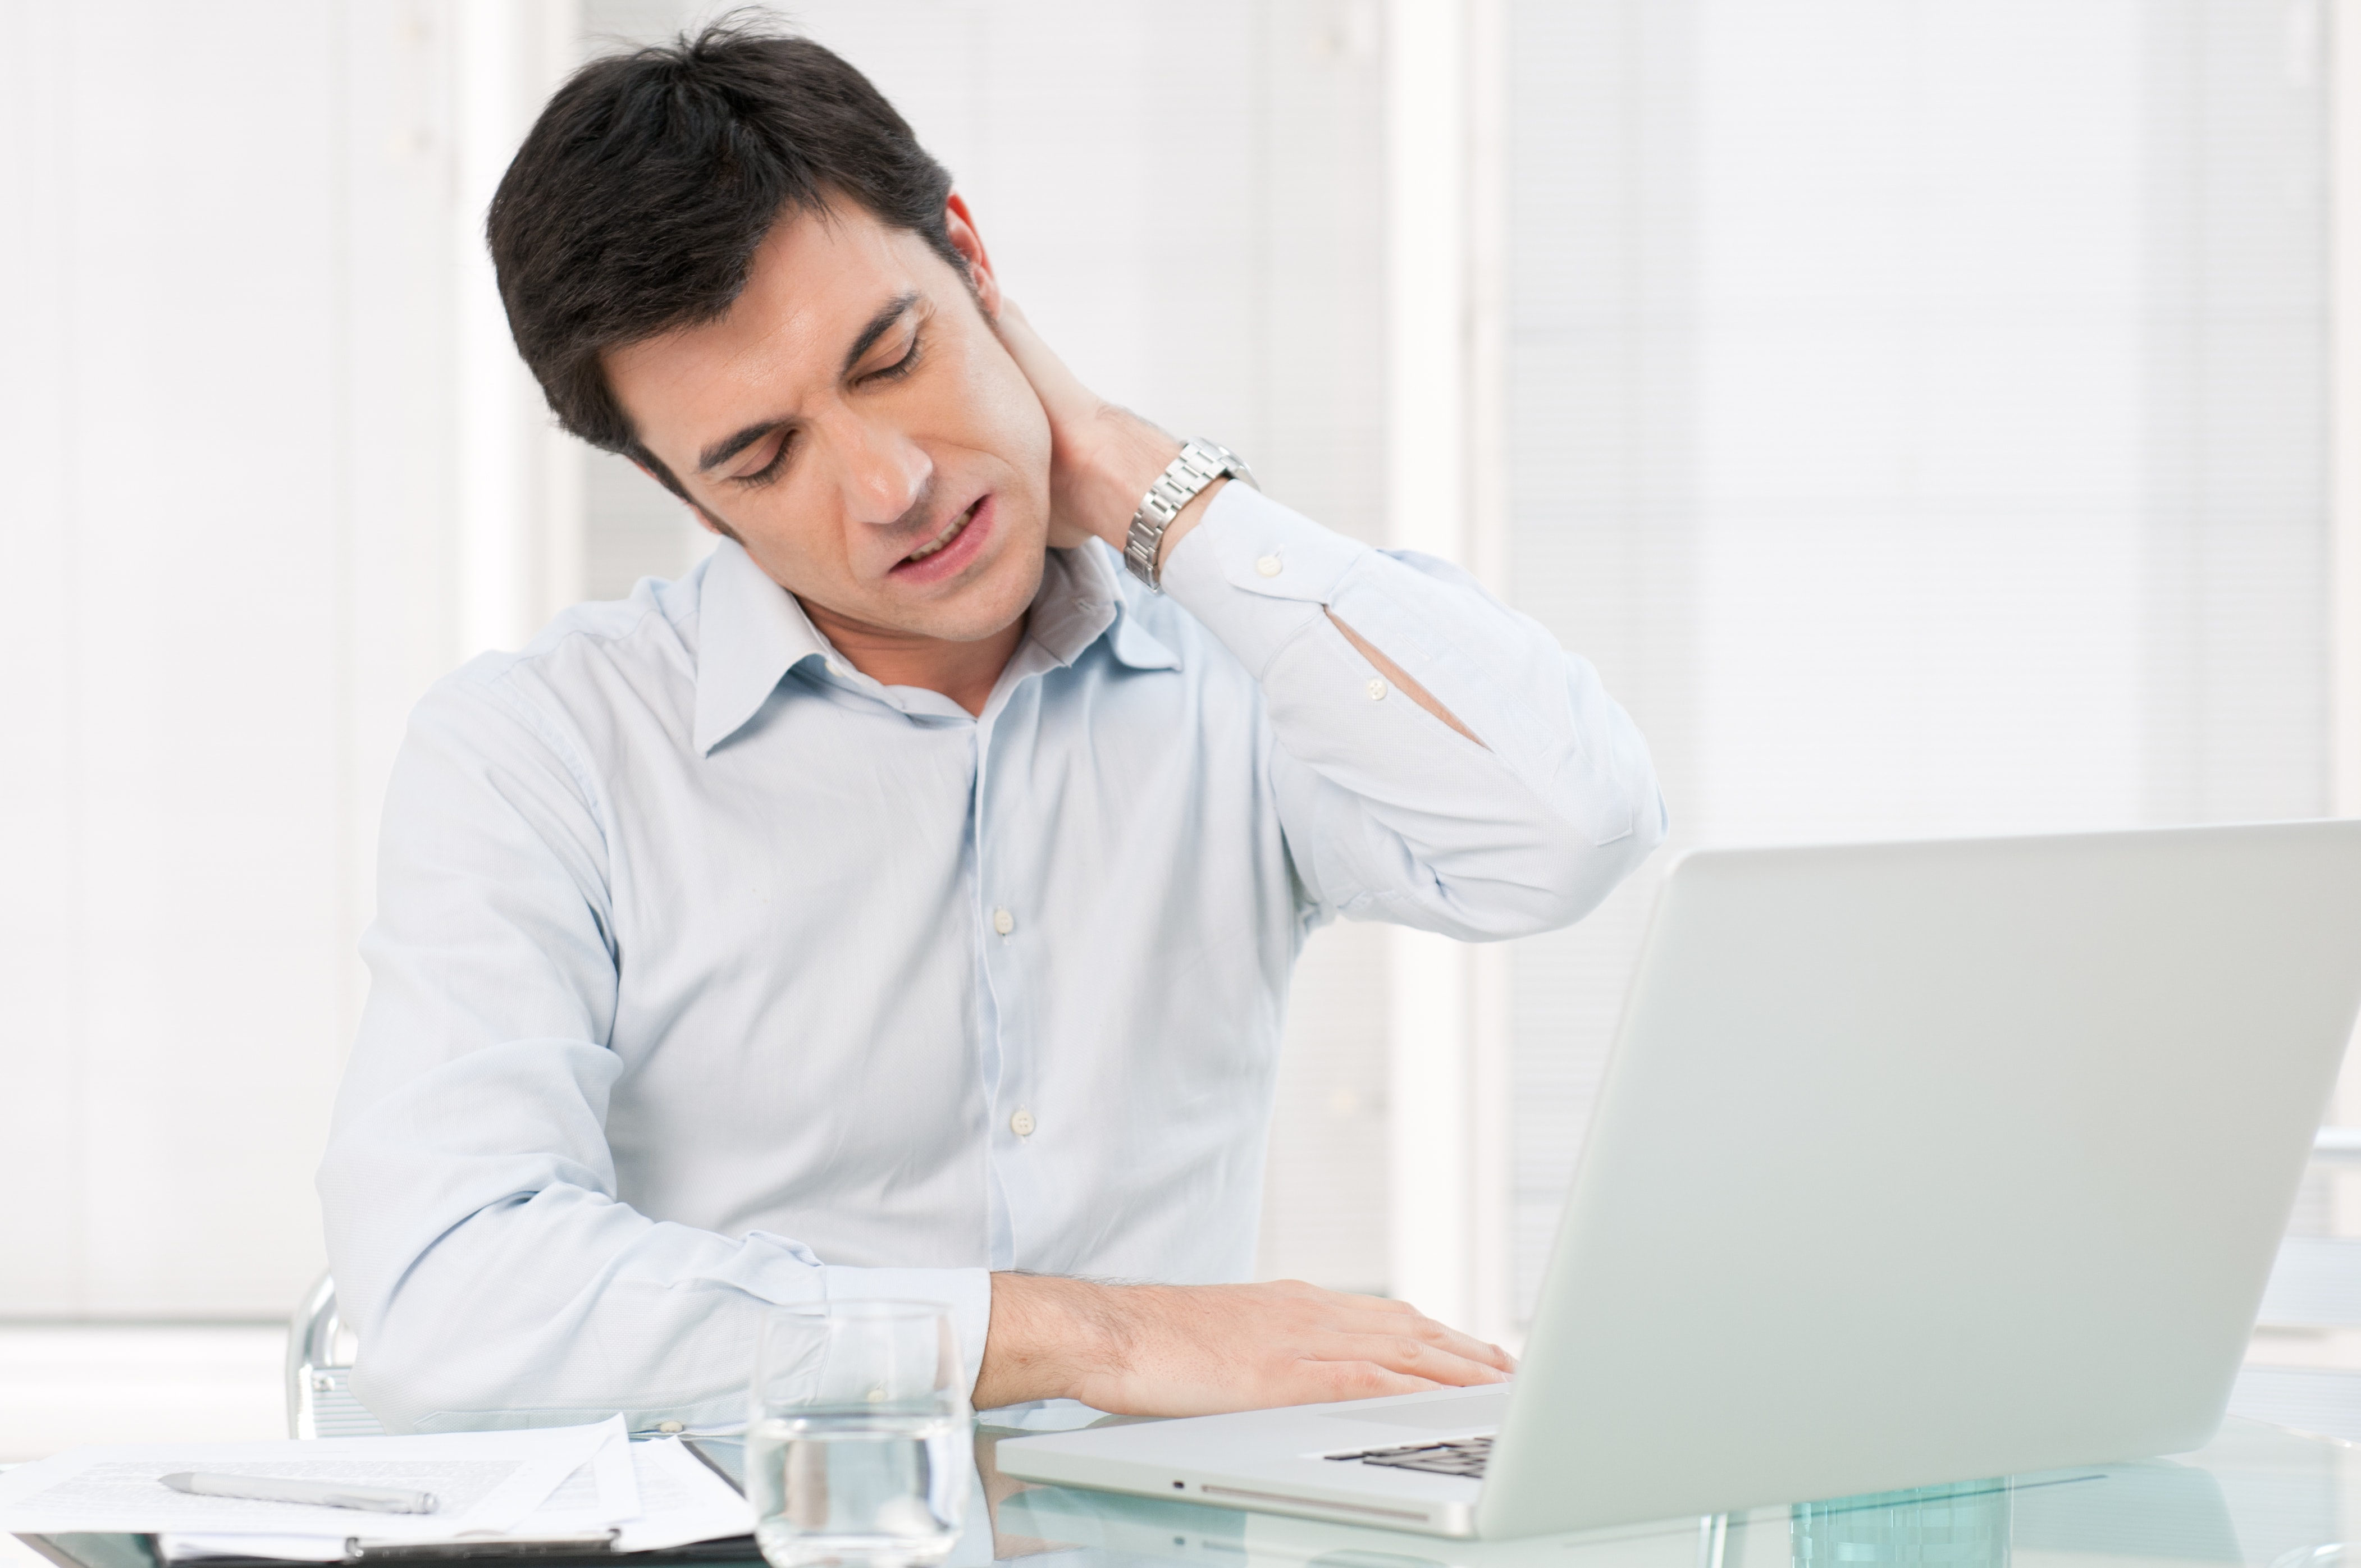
<point>2256,1495</point>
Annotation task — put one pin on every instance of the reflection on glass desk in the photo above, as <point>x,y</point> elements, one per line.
<point>2256,1495</point>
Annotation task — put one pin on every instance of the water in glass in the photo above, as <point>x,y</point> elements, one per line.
<point>861,1441</point>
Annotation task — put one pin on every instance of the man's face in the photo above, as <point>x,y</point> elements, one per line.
<point>856,424</point>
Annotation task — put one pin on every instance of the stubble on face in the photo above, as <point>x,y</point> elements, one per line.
<point>855,423</point>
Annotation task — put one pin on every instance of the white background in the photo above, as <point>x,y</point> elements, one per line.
<point>1916,408</point>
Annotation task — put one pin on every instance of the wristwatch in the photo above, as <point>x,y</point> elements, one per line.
<point>1200,464</point>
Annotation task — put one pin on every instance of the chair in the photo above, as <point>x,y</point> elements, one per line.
<point>320,1352</point>
<point>2316,1284</point>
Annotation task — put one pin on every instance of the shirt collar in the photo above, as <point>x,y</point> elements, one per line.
<point>1084,595</point>
<point>752,631</point>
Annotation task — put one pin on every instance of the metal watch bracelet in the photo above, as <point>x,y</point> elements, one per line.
<point>1200,464</point>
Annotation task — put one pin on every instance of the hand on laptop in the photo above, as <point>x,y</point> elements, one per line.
<point>1191,1350</point>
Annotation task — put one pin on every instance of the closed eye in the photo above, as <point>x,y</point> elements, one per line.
<point>771,470</point>
<point>912,356</point>
<point>896,371</point>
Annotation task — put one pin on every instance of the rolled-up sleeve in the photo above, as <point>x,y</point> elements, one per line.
<point>1388,813</point>
<point>474,1231</point>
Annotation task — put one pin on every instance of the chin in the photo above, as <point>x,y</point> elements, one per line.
<point>990,601</point>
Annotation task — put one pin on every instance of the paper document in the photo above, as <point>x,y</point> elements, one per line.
<point>600,1496</point>
<point>653,1494</point>
<point>681,1500</point>
<point>486,1481</point>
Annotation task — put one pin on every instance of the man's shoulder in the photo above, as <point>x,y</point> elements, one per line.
<point>640,649</point>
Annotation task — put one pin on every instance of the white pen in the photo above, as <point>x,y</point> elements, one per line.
<point>325,1494</point>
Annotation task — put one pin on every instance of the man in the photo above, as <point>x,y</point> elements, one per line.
<point>902,904</point>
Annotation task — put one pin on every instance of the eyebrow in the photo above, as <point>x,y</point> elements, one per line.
<point>893,311</point>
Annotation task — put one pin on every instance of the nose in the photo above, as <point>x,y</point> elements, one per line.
<point>885,472</point>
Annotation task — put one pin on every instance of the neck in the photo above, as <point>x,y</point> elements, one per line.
<point>963,672</point>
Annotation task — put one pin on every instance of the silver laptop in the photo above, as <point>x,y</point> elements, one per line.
<point>1915,1163</point>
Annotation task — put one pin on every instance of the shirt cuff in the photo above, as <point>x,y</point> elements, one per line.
<point>1257,574</point>
<point>967,1292</point>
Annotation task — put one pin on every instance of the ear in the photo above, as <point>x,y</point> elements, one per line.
<point>968,243</point>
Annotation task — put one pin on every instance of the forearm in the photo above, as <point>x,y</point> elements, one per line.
<point>482,1254</point>
<point>1514,808</point>
<point>564,1302</point>
<point>1401,680</point>
<point>1049,1337</point>
<point>1103,487</point>
<point>1105,457</point>
<point>1179,1350</point>
<point>1454,750</point>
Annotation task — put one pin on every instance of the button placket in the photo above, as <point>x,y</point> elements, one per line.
<point>999,1000</point>
<point>1005,892</point>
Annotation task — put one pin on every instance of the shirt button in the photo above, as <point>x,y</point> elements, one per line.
<point>1003,921</point>
<point>668,1426</point>
<point>1376,691</point>
<point>1021,1124</point>
<point>836,669</point>
<point>1270,566</point>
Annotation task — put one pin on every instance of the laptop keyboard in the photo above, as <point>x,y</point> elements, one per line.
<point>1462,1456</point>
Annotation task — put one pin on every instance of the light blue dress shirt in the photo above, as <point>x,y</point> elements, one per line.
<point>709,974</point>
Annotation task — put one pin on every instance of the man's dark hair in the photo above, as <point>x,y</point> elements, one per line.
<point>638,199</point>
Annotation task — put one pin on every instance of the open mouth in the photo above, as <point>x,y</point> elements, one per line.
<point>957,526</point>
<point>949,555</point>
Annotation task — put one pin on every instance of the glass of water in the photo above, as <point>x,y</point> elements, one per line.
<point>860,1441</point>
